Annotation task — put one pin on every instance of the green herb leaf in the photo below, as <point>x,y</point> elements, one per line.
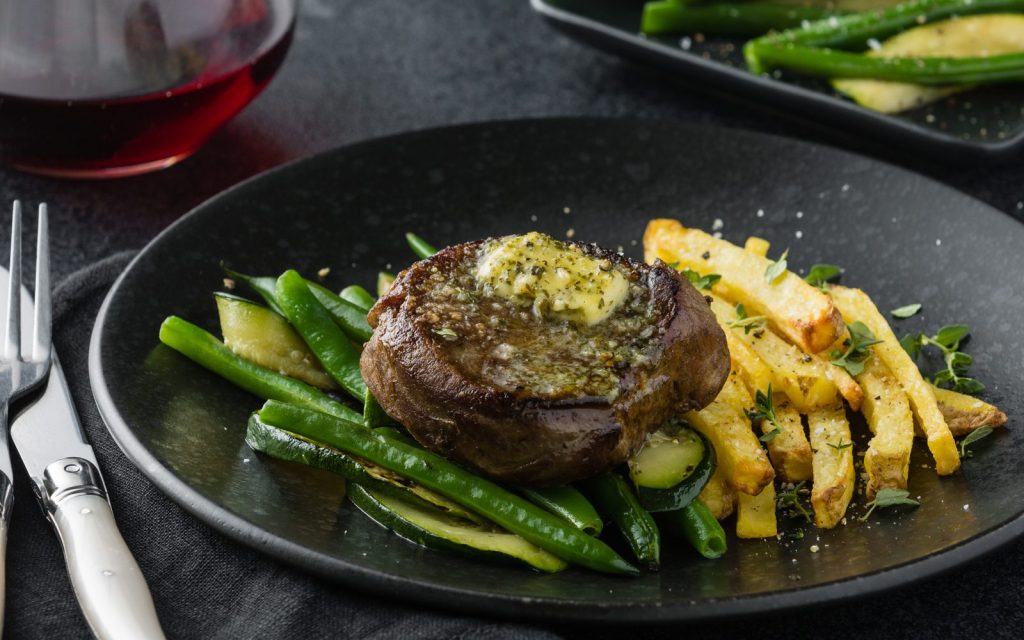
<point>770,435</point>
<point>889,498</point>
<point>857,351</point>
<point>764,410</point>
<point>842,445</point>
<point>748,323</point>
<point>972,437</point>
<point>950,336</point>
<point>947,340</point>
<point>912,343</point>
<point>777,268</point>
<point>790,500</point>
<point>820,275</point>
<point>906,311</point>
<point>447,334</point>
<point>702,283</point>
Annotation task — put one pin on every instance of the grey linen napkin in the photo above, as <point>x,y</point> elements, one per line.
<point>204,585</point>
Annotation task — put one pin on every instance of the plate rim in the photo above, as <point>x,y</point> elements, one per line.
<point>457,600</point>
<point>749,86</point>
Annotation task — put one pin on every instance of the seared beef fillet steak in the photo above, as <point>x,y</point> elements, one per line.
<point>540,362</point>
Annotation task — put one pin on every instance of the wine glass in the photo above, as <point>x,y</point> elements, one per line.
<point>108,88</point>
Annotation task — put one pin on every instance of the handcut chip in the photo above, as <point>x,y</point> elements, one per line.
<point>800,312</point>
<point>887,411</point>
<point>856,305</point>
<point>755,517</point>
<point>724,422</point>
<point>833,465</point>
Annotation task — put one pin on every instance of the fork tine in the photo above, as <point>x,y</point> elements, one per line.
<point>12,335</point>
<point>41,328</point>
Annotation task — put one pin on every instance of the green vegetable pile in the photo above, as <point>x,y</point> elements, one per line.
<point>836,38</point>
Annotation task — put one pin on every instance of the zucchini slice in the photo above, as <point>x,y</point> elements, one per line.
<point>260,335</point>
<point>430,527</point>
<point>964,37</point>
<point>284,445</point>
<point>671,468</point>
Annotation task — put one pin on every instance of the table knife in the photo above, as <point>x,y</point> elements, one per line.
<point>110,588</point>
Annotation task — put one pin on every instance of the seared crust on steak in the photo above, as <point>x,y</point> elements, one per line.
<point>432,381</point>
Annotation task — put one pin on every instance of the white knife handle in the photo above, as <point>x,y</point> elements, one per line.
<point>110,588</point>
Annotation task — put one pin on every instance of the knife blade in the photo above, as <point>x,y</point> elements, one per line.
<point>66,479</point>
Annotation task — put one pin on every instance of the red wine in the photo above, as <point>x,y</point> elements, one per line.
<point>48,126</point>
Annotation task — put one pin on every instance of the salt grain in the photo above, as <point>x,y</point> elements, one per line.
<point>799,234</point>
<point>799,214</point>
<point>533,218</point>
<point>814,548</point>
<point>760,213</point>
<point>323,272</point>
<point>938,242</point>
<point>717,224</point>
<point>570,232</point>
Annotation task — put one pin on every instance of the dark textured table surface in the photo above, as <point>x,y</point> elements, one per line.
<point>360,70</point>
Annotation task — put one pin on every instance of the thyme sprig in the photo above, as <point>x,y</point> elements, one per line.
<point>947,340</point>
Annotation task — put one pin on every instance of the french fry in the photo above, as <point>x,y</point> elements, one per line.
<point>964,413</point>
<point>718,496</point>
<point>789,450</point>
<point>753,371</point>
<point>724,422</point>
<point>757,246</point>
<point>755,515</point>
<point>887,411</point>
<point>856,305</point>
<point>801,377</point>
<point>833,465</point>
<point>800,312</point>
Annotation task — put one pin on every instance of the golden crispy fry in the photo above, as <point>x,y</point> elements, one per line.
<point>803,314</point>
<point>724,422</point>
<point>856,305</point>
<point>755,517</point>
<point>753,371</point>
<point>718,496</point>
<point>964,413</point>
<point>757,246</point>
<point>789,450</point>
<point>887,412</point>
<point>833,465</point>
<point>803,378</point>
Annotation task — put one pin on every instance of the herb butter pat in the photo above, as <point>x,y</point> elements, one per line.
<point>555,278</point>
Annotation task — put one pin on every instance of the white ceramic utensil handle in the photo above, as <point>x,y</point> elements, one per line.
<point>110,588</point>
<point>6,507</point>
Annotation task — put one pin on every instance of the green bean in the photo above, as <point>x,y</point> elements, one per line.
<point>339,357</point>
<point>358,296</point>
<point>349,317</point>
<point>373,413</point>
<point>438,474</point>
<point>419,246</point>
<point>206,350</point>
<point>613,498</point>
<point>569,503</point>
<point>384,282</point>
<point>701,528</point>
<point>667,17</point>
<point>265,286</point>
<point>813,49</point>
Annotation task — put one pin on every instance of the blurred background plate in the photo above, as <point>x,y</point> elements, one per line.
<point>901,236</point>
<point>982,124</point>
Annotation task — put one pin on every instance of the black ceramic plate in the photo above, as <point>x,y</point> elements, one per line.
<point>903,237</point>
<point>982,124</point>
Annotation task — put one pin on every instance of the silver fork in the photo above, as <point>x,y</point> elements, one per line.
<point>18,374</point>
